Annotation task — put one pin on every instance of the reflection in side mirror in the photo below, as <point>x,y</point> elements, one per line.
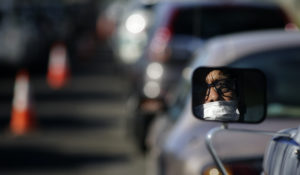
<point>229,95</point>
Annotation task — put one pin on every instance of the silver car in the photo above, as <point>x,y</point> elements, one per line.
<point>177,144</point>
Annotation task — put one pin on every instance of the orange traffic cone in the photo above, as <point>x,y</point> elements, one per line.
<point>22,116</point>
<point>58,67</point>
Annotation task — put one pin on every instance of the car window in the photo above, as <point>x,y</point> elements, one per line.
<point>206,22</point>
<point>282,72</point>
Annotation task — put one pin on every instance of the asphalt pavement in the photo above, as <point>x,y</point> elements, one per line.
<point>80,128</point>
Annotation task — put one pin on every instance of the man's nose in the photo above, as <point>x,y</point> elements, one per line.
<point>213,95</point>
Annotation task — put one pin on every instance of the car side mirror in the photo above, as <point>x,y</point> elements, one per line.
<point>229,94</point>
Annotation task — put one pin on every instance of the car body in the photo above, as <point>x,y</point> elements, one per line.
<point>178,145</point>
<point>132,30</point>
<point>29,29</point>
<point>177,29</point>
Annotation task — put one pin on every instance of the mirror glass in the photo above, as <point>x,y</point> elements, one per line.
<point>229,94</point>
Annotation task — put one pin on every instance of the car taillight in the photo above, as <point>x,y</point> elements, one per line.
<point>158,50</point>
<point>152,105</point>
<point>291,27</point>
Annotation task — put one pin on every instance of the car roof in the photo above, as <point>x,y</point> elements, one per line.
<point>218,2</point>
<point>223,50</point>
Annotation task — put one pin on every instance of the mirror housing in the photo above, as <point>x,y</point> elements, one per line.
<point>229,95</point>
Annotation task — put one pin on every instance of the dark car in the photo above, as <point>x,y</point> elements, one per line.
<point>29,29</point>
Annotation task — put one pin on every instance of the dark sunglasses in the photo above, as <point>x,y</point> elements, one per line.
<point>222,87</point>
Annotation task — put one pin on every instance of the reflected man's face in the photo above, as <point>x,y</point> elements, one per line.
<point>219,87</point>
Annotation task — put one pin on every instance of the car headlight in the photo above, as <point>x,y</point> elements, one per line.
<point>135,23</point>
<point>245,167</point>
<point>154,70</point>
<point>215,171</point>
<point>187,73</point>
<point>151,89</point>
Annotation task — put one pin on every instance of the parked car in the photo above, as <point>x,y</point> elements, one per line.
<point>28,30</point>
<point>179,27</point>
<point>177,143</point>
<point>132,30</point>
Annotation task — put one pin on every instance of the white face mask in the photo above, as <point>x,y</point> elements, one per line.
<point>219,110</point>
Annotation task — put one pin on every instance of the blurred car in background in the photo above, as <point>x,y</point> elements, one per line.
<point>177,138</point>
<point>174,29</point>
<point>28,29</point>
<point>133,25</point>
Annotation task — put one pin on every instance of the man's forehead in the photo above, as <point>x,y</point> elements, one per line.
<point>215,75</point>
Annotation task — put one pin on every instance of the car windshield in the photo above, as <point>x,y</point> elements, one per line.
<point>206,22</point>
<point>282,72</point>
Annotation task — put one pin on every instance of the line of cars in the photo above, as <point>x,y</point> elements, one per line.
<point>156,40</point>
<point>176,140</point>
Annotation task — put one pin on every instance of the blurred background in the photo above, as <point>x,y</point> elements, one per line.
<point>73,94</point>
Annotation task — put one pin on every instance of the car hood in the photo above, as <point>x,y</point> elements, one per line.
<point>186,140</point>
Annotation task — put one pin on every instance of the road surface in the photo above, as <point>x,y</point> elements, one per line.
<point>81,128</point>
